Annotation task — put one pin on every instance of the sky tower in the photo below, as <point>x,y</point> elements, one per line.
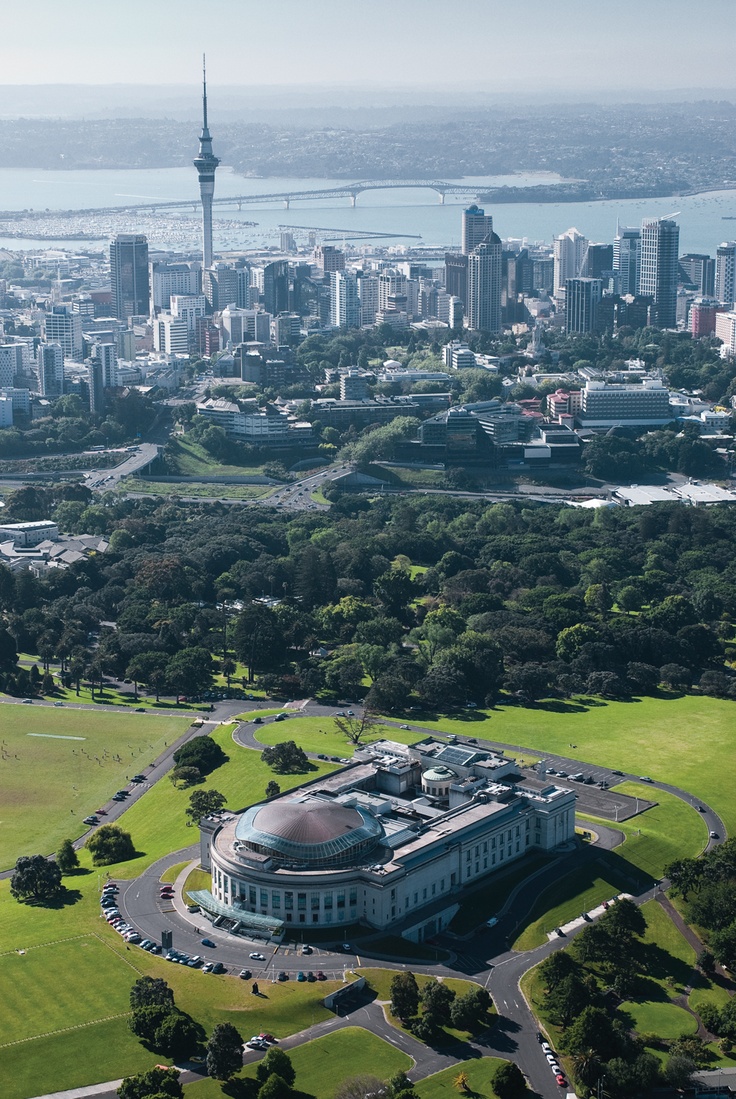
<point>206,164</point>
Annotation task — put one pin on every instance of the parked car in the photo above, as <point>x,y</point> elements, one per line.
<point>138,778</point>
<point>306,949</point>
<point>492,922</point>
<point>91,820</point>
<point>300,976</point>
<point>246,974</point>
<point>283,976</point>
<point>266,1037</point>
<point>320,975</point>
<point>256,957</point>
<point>218,967</point>
<point>561,1080</point>
<point>209,943</point>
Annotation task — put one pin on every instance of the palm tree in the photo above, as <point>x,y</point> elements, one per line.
<point>587,1066</point>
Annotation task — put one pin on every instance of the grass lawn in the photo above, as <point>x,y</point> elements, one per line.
<point>669,830</point>
<point>59,765</point>
<point>663,1019</point>
<point>318,734</point>
<point>479,1073</point>
<point>193,461</point>
<point>157,821</point>
<point>197,879</point>
<point>204,489</point>
<point>710,993</point>
<point>322,1065</point>
<point>173,872</point>
<point>95,987</point>
<point>681,740</point>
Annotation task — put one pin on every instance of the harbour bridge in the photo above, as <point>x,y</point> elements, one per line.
<point>348,190</point>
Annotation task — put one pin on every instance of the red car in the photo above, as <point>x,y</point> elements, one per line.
<point>561,1081</point>
<point>266,1037</point>
<point>320,975</point>
<point>102,812</point>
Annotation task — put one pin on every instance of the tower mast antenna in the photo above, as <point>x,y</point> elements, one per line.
<point>206,164</point>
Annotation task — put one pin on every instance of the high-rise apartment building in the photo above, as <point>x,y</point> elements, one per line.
<point>477,228</point>
<point>206,164</point>
<point>570,253</point>
<point>276,287</point>
<point>627,259</point>
<point>483,307</point>
<point>702,318</point>
<point>166,279</point>
<point>329,259</point>
<point>599,261</point>
<point>64,327</point>
<point>456,275</point>
<point>11,363</point>
<point>344,300</point>
<point>659,271</point>
<point>582,297</point>
<point>50,367</point>
<point>699,271</point>
<point>129,276</point>
<point>368,298</point>
<point>220,285</point>
<point>725,281</point>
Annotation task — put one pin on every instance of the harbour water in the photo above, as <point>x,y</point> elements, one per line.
<point>412,216</point>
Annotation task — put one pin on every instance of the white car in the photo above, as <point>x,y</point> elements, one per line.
<point>256,957</point>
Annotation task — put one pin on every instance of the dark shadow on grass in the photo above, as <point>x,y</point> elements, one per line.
<point>645,990</point>
<point>558,706</point>
<point>63,899</point>
<point>660,964</point>
<point>77,872</point>
<point>241,1088</point>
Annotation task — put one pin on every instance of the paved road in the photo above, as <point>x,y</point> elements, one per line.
<point>485,956</point>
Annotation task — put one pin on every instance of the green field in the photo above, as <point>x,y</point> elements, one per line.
<point>666,1020</point>
<point>193,460</point>
<point>681,740</point>
<point>203,489</point>
<point>59,765</point>
<point>668,830</point>
<point>479,1073</point>
<point>319,734</point>
<point>322,1065</point>
<point>157,822</point>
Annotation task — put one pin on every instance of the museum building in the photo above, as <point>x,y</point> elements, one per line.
<point>392,839</point>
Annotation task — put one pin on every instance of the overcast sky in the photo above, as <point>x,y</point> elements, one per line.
<point>500,45</point>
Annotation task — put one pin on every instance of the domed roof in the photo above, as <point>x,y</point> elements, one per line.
<point>308,831</point>
<point>306,822</point>
<point>439,774</point>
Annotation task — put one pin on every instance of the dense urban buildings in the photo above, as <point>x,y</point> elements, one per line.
<point>660,240</point>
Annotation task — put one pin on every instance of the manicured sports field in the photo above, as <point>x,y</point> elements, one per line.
<point>59,765</point>
<point>319,734</point>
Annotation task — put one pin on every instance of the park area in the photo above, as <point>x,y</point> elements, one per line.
<point>58,765</point>
<point>685,740</point>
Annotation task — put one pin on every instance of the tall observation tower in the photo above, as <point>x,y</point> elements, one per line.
<point>206,164</point>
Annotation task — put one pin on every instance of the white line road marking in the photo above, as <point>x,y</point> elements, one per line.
<point>57,736</point>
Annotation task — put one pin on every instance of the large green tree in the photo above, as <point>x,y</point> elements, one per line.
<point>35,878</point>
<point>224,1052</point>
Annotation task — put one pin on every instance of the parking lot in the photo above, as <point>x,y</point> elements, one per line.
<point>605,803</point>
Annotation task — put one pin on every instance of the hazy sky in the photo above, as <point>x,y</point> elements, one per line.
<point>502,45</point>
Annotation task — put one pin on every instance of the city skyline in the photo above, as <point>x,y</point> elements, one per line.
<point>350,45</point>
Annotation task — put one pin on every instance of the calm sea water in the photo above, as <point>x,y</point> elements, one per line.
<point>408,213</point>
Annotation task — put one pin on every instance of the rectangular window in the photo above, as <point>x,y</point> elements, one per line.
<point>314,902</point>
<point>264,898</point>
<point>518,830</point>
<point>315,917</point>
<point>328,901</point>
<point>527,841</point>
<point>341,899</point>
<point>275,901</point>
<point>288,900</point>
<point>301,901</point>
<point>424,894</point>
<point>416,898</point>
<point>252,895</point>
<point>302,917</point>
<point>354,897</point>
<point>288,917</point>
<point>493,843</point>
<point>434,888</point>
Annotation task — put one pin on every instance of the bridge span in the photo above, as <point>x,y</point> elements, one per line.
<point>348,190</point>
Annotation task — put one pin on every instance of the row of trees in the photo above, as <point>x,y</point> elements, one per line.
<point>428,1010</point>
<point>37,879</point>
<point>708,885</point>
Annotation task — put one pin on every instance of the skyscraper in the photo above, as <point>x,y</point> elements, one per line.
<point>570,252</point>
<point>206,164</point>
<point>64,327</point>
<point>659,271</point>
<point>477,227</point>
<point>627,258</point>
<point>582,297</point>
<point>483,307</point>
<point>344,300</point>
<point>129,275</point>
<point>50,367</point>
<point>726,272</point>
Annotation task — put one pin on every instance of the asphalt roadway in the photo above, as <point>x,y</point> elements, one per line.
<point>484,956</point>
